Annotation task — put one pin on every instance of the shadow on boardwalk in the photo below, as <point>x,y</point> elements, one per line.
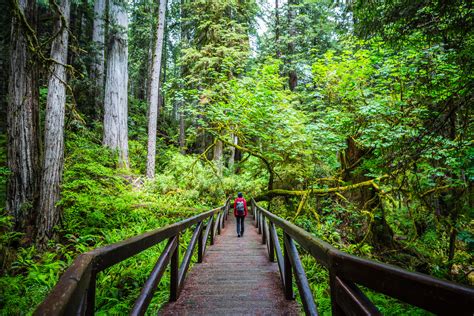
<point>236,278</point>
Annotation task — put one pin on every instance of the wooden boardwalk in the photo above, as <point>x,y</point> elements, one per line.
<point>235,278</point>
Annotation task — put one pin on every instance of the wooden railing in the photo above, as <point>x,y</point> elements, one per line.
<point>347,272</point>
<point>74,294</point>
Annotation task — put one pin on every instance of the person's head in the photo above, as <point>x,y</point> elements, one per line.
<point>240,194</point>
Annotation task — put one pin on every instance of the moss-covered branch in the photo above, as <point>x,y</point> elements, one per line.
<point>281,192</point>
<point>255,154</point>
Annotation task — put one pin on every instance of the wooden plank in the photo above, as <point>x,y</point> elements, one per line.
<point>256,217</point>
<point>271,244</point>
<point>267,239</point>
<point>301,280</point>
<point>206,235</point>
<point>69,293</point>
<point>352,300</point>
<point>289,295</point>
<point>67,296</point>
<point>90,294</point>
<point>336,309</point>
<point>187,255</point>
<point>417,289</point>
<point>316,247</point>
<point>279,255</point>
<point>146,294</point>
<point>224,218</point>
<point>109,255</point>
<point>200,246</point>
<point>174,273</point>
<point>414,288</point>
<point>236,279</point>
<point>219,223</point>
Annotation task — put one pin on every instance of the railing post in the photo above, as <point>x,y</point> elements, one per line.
<point>271,250</point>
<point>335,308</point>
<point>256,219</point>
<point>289,295</point>
<point>219,216</point>
<point>253,208</point>
<point>224,216</point>
<point>212,229</point>
<point>259,222</point>
<point>90,295</point>
<point>200,245</point>
<point>264,240</point>
<point>174,273</point>
<point>222,219</point>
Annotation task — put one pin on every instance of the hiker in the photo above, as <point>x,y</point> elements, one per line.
<point>240,211</point>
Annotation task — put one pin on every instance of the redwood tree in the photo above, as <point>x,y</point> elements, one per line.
<point>53,160</point>
<point>23,118</point>
<point>116,86</point>
<point>98,39</point>
<point>154,92</point>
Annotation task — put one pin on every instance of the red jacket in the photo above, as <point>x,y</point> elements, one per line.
<point>245,206</point>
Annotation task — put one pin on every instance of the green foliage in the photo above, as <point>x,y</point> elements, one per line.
<point>219,50</point>
<point>103,205</point>
<point>402,95</point>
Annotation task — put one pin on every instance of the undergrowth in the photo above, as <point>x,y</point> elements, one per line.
<point>102,205</point>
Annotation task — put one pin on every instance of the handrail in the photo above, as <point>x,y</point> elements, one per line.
<point>346,272</point>
<point>75,291</point>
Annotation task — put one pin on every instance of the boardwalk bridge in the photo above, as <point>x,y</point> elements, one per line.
<point>252,275</point>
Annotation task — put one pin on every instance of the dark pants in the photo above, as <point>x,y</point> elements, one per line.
<point>240,225</point>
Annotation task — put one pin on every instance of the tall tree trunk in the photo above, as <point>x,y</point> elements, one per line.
<point>218,153</point>
<point>235,140</point>
<point>23,121</point>
<point>49,211</point>
<point>5,21</point>
<point>97,69</point>
<point>182,133</point>
<point>182,70</point>
<point>277,30</point>
<point>292,76</point>
<point>381,235</point>
<point>154,92</point>
<point>149,69</point>
<point>116,87</point>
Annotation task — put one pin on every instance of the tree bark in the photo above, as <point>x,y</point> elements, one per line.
<point>23,121</point>
<point>154,92</point>
<point>232,151</point>
<point>5,20</point>
<point>149,68</point>
<point>292,76</point>
<point>116,87</point>
<point>182,134</point>
<point>277,30</point>
<point>49,211</point>
<point>217,157</point>
<point>381,235</point>
<point>97,68</point>
<point>182,70</point>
